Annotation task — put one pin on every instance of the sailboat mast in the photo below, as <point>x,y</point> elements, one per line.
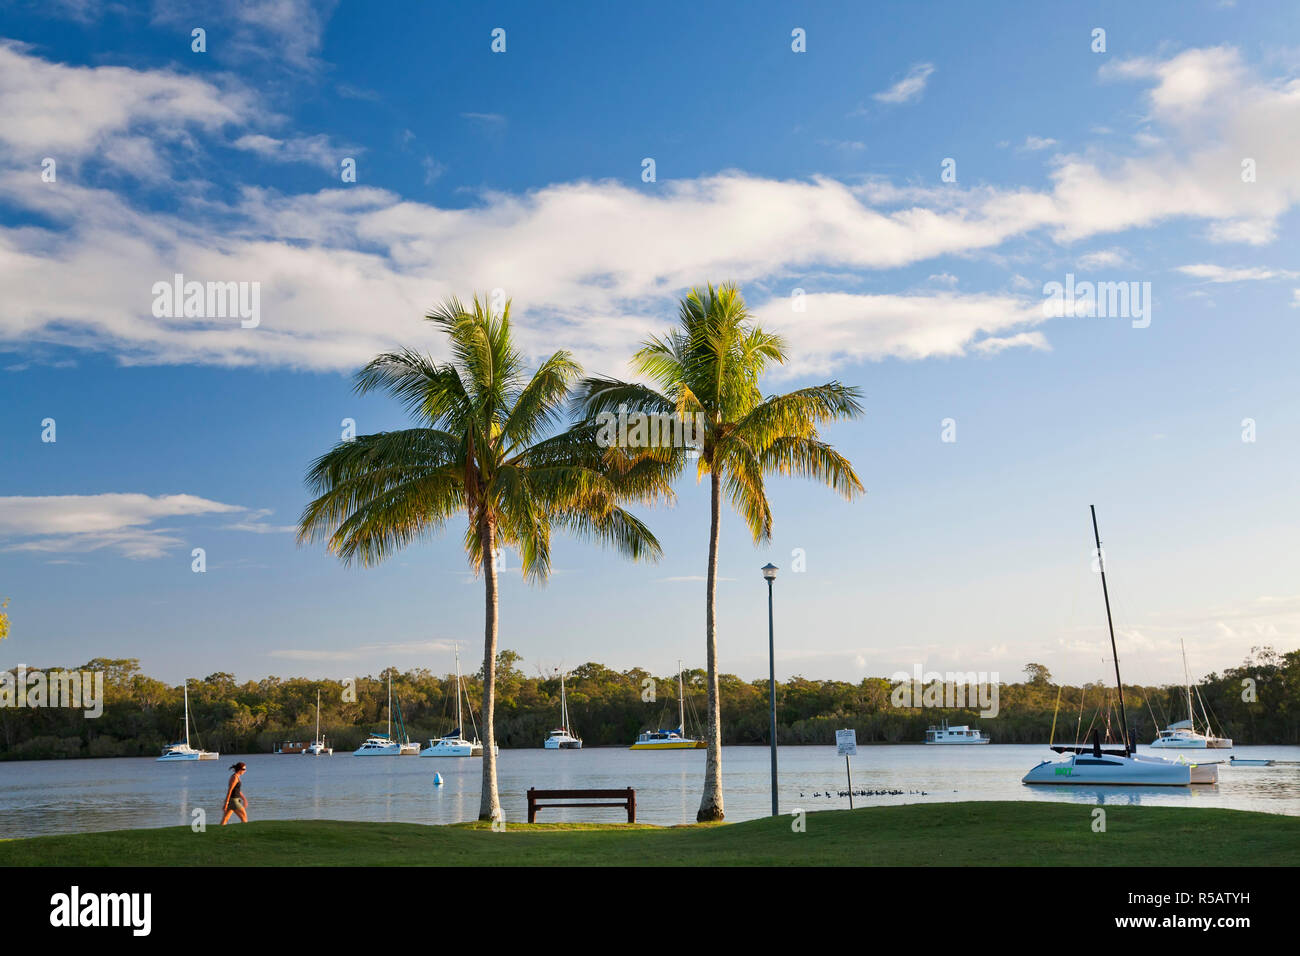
<point>390,706</point>
<point>1187,679</point>
<point>318,715</point>
<point>187,713</point>
<point>681,702</point>
<point>1119,684</point>
<point>459,729</point>
<point>564,706</point>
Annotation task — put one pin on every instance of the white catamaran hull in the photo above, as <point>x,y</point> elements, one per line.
<point>377,746</point>
<point>188,754</point>
<point>450,748</point>
<point>1110,770</point>
<point>1191,742</point>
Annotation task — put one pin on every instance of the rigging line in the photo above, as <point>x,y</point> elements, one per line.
<point>1051,739</point>
<point>1208,729</point>
<point>1079,725</point>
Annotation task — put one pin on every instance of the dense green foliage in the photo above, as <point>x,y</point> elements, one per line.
<point>142,714</point>
<point>946,834</point>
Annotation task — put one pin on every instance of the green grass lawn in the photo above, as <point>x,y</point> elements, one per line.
<point>945,834</point>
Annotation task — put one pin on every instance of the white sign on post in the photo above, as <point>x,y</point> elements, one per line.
<point>846,743</point>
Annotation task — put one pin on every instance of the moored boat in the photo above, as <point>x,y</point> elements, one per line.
<point>1183,734</point>
<point>1100,768</point>
<point>956,734</point>
<point>318,747</point>
<point>381,745</point>
<point>181,750</point>
<point>454,744</point>
<point>671,739</point>
<point>560,738</point>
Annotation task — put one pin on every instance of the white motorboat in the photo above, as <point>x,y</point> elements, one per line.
<point>381,745</point>
<point>182,749</point>
<point>1183,734</point>
<point>957,734</point>
<point>453,744</point>
<point>1128,768</point>
<point>560,738</point>
<point>318,747</point>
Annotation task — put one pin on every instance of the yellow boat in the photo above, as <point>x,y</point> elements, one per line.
<point>670,739</point>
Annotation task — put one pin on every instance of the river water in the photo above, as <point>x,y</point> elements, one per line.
<point>69,796</point>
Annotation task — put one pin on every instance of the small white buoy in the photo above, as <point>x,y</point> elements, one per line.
<point>437,780</point>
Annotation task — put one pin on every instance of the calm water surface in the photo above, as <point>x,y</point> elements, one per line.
<point>69,796</point>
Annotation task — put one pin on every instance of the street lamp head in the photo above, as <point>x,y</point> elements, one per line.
<point>769,571</point>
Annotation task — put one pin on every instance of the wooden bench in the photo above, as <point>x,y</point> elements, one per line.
<point>610,798</point>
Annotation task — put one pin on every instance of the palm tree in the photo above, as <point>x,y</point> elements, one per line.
<point>479,450</point>
<point>709,366</point>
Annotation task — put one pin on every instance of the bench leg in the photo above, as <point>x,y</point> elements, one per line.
<point>631,807</point>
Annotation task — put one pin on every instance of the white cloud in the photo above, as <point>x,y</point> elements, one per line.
<point>314,150</point>
<point>909,87</point>
<point>79,523</point>
<point>841,327</point>
<point>1035,143</point>
<point>282,32</point>
<point>379,651</point>
<point>485,120</point>
<point>348,271</point>
<point>1100,259</point>
<point>1224,274</point>
<point>123,117</point>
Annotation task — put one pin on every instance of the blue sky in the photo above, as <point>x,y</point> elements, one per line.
<point>522,170</point>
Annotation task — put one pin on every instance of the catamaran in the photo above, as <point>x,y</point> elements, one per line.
<point>561,738</point>
<point>182,750</point>
<point>318,747</point>
<point>406,747</point>
<point>453,744</point>
<point>1182,735</point>
<point>671,739</point>
<point>381,745</point>
<point>1124,768</point>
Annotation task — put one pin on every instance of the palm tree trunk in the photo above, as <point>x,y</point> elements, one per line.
<point>711,802</point>
<point>489,803</point>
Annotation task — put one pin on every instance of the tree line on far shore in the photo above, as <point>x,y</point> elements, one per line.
<point>609,708</point>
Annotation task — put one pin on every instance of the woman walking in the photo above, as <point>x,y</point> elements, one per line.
<point>236,802</point>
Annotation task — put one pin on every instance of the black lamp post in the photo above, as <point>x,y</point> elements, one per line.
<point>769,572</point>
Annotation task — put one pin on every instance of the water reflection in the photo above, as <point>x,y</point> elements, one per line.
<point>77,795</point>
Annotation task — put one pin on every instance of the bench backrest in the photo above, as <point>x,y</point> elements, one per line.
<point>579,794</point>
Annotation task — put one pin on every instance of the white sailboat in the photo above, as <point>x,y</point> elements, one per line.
<point>318,746</point>
<point>381,745</point>
<point>454,744</point>
<point>670,739</point>
<point>561,738</point>
<point>1183,735</point>
<point>1096,767</point>
<point>182,749</point>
